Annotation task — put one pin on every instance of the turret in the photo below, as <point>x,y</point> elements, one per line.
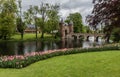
<point>61,24</point>
<point>71,27</point>
<point>71,23</point>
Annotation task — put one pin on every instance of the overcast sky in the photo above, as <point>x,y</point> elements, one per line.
<point>67,6</point>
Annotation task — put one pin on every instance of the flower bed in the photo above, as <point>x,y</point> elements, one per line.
<point>21,61</point>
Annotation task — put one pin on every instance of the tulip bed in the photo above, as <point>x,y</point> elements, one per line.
<point>21,61</point>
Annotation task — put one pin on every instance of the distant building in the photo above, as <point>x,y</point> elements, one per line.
<point>31,29</point>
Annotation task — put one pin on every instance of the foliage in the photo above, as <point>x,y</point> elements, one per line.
<point>86,29</point>
<point>53,21</point>
<point>7,18</point>
<point>116,35</point>
<point>19,21</point>
<point>30,16</point>
<point>20,26</point>
<point>21,61</point>
<point>76,18</point>
<point>105,12</point>
<point>48,19</point>
<point>43,12</point>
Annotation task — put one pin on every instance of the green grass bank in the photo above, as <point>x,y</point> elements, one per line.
<point>94,64</point>
<point>31,37</point>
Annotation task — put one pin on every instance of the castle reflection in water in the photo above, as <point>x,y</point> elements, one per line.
<point>20,48</point>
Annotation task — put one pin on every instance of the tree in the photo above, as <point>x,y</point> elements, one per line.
<point>86,29</point>
<point>20,26</point>
<point>53,21</point>
<point>48,17</point>
<point>19,21</point>
<point>116,35</point>
<point>31,15</point>
<point>105,12</point>
<point>43,12</point>
<point>77,21</point>
<point>8,10</point>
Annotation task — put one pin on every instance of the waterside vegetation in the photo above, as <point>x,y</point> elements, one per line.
<point>21,61</point>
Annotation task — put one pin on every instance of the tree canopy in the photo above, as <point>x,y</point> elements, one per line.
<point>8,10</point>
<point>19,21</point>
<point>76,18</point>
<point>107,13</point>
<point>48,17</point>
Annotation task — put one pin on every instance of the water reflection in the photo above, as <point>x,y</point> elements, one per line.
<point>19,48</point>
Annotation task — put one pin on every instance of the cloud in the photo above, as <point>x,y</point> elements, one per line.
<point>84,7</point>
<point>76,4</point>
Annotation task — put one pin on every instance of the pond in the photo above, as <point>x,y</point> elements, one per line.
<point>20,48</point>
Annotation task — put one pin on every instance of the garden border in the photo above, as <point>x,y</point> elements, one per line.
<point>21,61</point>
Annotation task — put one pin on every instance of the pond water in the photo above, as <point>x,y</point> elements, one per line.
<point>20,48</point>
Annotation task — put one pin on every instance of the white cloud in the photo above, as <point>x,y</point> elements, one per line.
<point>67,6</point>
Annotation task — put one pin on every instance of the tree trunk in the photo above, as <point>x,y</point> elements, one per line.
<point>22,34</point>
<point>55,36</point>
<point>36,33</point>
<point>5,37</point>
<point>107,38</point>
<point>42,36</point>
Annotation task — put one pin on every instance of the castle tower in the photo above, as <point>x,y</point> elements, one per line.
<point>61,24</point>
<point>71,27</point>
<point>65,29</point>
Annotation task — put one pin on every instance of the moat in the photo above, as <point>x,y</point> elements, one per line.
<point>20,48</point>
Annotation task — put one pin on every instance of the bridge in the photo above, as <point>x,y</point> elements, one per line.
<point>67,32</point>
<point>83,35</point>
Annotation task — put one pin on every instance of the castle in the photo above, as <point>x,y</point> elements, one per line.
<point>67,32</point>
<point>66,29</point>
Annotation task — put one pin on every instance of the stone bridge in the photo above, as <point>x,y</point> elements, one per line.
<point>67,32</point>
<point>82,35</point>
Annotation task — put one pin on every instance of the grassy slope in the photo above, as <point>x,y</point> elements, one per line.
<point>95,64</point>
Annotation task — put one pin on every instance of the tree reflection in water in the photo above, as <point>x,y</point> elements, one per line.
<point>19,48</point>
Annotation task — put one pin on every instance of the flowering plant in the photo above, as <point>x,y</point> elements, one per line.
<point>20,61</point>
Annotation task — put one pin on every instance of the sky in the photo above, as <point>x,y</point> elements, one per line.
<point>84,7</point>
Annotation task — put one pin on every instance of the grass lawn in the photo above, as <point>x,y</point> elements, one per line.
<point>94,64</point>
<point>29,36</point>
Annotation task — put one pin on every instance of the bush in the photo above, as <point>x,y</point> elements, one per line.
<point>116,35</point>
<point>21,61</point>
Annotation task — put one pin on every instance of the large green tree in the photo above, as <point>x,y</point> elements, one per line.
<point>105,12</point>
<point>45,16</point>
<point>8,10</point>
<point>53,21</point>
<point>76,18</point>
<point>30,16</point>
<point>44,7</point>
<point>19,22</point>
